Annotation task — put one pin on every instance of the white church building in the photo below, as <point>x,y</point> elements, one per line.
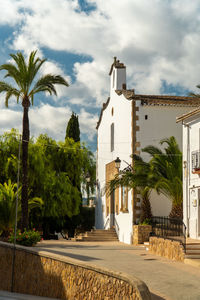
<point>129,122</point>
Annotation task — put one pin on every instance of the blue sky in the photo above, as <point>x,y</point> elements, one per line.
<point>159,42</point>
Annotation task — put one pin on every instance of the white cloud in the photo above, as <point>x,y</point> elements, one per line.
<point>53,121</point>
<point>157,40</point>
<point>142,37</point>
<point>88,123</point>
<point>48,119</point>
<point>10,119</point>
<point>9,12</point>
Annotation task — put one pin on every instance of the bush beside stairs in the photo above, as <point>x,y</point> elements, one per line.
<point>98,235</point>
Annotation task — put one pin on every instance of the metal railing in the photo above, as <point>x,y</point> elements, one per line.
<point>116,227</point>
<point>106,223</point>
<point>169,228</point>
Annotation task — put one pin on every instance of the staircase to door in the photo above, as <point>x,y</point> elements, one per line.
<point>98,235</point>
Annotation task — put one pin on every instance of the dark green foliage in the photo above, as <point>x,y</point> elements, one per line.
<point>84,221</point>
<point>73,130</point>
<point>87,218</point>
<point>9,145</point>
<point>56,172</point>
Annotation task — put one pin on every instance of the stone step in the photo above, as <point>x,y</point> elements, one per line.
<point>97,240</point>
<point>100,238</point>
<point>192,251</point>
<point>192,246</point>
<point>98,235</point>
<point>192,256</point>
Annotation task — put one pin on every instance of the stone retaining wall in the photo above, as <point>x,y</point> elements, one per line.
<point>44,274</point>
<point>167,248</point>
<point>141,233</point>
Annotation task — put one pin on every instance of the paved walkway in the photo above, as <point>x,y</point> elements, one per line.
<point>166,279</point>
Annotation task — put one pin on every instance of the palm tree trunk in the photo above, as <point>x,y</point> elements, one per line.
<point>176,211</point>
<point>25,141</point>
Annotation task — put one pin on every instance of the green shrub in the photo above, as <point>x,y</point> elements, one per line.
<point>26,238</point>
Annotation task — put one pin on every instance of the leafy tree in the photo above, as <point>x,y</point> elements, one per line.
<point>55,175</point>
<point>9,147</point>
<point>73,130</point>
<point>24,73</point>
<point>56,170</point>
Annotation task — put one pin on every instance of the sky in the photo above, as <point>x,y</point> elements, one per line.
<point>157,40</point>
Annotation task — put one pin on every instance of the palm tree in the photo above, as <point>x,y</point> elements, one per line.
<point>166,173</point>
<point>26,86</point>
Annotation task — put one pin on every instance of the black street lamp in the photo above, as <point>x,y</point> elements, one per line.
<point>117,163</point>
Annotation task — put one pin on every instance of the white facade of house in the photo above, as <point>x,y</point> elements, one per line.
<point>191,174</point>
<point>145,124</point>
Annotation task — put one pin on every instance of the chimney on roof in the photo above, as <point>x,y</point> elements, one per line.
<point>117,75</point>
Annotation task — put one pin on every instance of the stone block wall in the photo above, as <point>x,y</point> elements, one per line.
<point>141,233</point>
<point>167,248</point>
<point>44,274</point>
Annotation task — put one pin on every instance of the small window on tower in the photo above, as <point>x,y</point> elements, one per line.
<point>112,111</point>
<point>146,117</point>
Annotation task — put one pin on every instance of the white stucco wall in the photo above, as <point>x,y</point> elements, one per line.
<point>191,182</point>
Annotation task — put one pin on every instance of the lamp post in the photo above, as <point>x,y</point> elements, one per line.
<point>117,163</point>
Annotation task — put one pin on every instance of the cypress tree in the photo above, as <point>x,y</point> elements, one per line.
<point>73,130</point>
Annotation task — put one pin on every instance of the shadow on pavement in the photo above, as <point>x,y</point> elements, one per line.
<point>75,256</point>
<point>68,246</point>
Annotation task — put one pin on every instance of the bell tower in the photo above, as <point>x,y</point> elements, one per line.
<point>117,75</point>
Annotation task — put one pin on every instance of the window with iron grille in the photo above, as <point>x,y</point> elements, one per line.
<point>195,160</point>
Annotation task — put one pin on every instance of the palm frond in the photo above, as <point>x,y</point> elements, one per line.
<point>9,90</point>
<point>47,82</point>
<point>33,66</point>
<point>152,150</point>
